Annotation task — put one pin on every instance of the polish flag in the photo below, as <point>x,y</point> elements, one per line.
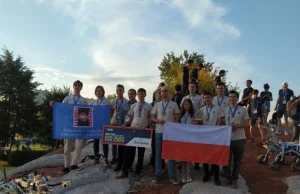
<point>196,143</point>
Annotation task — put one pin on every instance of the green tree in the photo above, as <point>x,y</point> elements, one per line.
<point>18,107</point>
<point>111,96</point>
<point>45,133</point>
<point>171,70</point>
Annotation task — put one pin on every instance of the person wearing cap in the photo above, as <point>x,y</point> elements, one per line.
<point>284,95</point>
<point>267,97</point>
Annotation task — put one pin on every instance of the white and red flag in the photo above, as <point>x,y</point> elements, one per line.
<point>196,143</point>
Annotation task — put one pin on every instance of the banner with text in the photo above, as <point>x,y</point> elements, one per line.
<point>79,121</point>
<point>129,136</point>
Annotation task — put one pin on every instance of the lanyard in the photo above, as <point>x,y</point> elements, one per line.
<point>186,116</point>
<point>192,98</point>
<point>220,103</point>
<point>164,107</point>
<point>232,113</point>
<point>100,101</point>
<point>141,109</point>
<point>118,105</point>
<point>75,101</point>
<point>208,113</point>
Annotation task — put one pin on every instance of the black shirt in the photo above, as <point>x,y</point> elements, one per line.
<point>285,96</point>
<point>247,91</point>
<point>177,97</point>
<point>256,104</point>
<point>185,79</point>
<point>195,74</point>
<point>266,96</point>
<point>218,79</point>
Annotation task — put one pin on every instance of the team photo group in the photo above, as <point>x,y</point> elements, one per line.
<point>184,109</point>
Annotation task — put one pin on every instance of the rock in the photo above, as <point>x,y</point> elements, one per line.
<point>293,183</point>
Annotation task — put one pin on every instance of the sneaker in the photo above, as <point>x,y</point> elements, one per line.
<point>183,180</point>
<point>64,171</point>
<point>286,133</point>
<point>121,175</point>
<point>173,180</point>
<point>114,161</point>
<point>75,167</point>
<point>206,178</point>
<point>189,178</point>
<point>217,181</point>
<point>96,161</point>
<point>157,179</point>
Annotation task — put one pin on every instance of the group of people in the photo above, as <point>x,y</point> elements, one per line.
<point>187,106</point>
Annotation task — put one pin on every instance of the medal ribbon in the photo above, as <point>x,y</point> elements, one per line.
<point>208,113</point>
<point>192,98</point>
<point>75,101</point>
<point>220,103</point>
<point>141,109</point>
<point>232,113</point>
<point>100,101</point>
<point>186,116</point>
<point>164,107</point>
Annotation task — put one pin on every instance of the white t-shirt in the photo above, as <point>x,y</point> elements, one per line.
<point>211,114</point>
<point>71,99</point>
<point>171,109</point>
<point>140,113</point>
<point>101,101</point>
<point>222,102</point>
<point>241,116</point>
<point>197,101</point>
<point>187,119</point>
<point>121,109</point>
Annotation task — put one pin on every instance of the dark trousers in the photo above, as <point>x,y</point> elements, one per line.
<point>153,153</point>
<point>105,151</point>
<point>184,90</point>
<point>296,131</point>
<point>96,148</point>
<point>120,157</point>
<point>237,148</point>
<point>214,170</point>
<point>129,154</point>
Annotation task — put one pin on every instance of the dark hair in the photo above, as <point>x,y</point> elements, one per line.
<point>141,90</point>
<point>221,84</point>
<point>222,71</point>
<point>235,93</point>
<point>78,82</point>
<point>200,65</point>
<point>101,88</point>
<point>132,90</point>
<point>162,84</point>
<point>157,90</point>
<point>190,61</point>
<point>191,112</point>
<point>207,94</point>
<point>266,86</point>
<point>177,88</point>
<point>193,83</point>
<point>255,91</point>
<point>120,86</point>
<point>249,80</point>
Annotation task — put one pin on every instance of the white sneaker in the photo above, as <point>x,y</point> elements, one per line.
<point>286,133</point>
<point>183,180</point>
<point>189,179</point>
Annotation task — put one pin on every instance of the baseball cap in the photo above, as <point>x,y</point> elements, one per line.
<point>285,83</point>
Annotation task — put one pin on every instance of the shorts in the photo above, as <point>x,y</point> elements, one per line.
<point>254,119</point>
<point>281,110</point>
<point>267,106</point>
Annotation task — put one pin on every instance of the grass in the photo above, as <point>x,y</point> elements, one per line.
<point>36,147</point>
<point>7,167</point>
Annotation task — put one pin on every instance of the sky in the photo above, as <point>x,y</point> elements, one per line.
<point>114,42</point>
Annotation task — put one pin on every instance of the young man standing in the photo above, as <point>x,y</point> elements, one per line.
<point>197,101</point>
<point>218,79</point>
<point>163,111</point>
<point>211,115</point>
<point>267,97</point>
<point>177,97</point>
<point>161,84</point>
<point>71,162</point>
<point>247,93</point>
<point>238,118</point>
<point>221,99</point>
<point>256,108</point>
<point>284,95</point>
<point>195,76</point>
<point>139,117</point>
<point>186,76</point>
<point>120,107</point>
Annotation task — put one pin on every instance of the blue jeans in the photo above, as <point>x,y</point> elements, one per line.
<point>158,161</point>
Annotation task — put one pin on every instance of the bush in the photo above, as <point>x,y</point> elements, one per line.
<point>18,158</point>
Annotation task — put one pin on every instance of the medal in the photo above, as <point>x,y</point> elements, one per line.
<point>232,113</point>
<point>140,109</point>
<point>164,108</point>
<point>208,112</point>
<point>186,116</point>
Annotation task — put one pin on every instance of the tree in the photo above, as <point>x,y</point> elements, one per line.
<point>111,96</point>
<point>171,70</point>
<point>18,108</point>
<point>45,133</point>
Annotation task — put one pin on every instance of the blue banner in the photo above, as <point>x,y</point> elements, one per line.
<point>79,121</point>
